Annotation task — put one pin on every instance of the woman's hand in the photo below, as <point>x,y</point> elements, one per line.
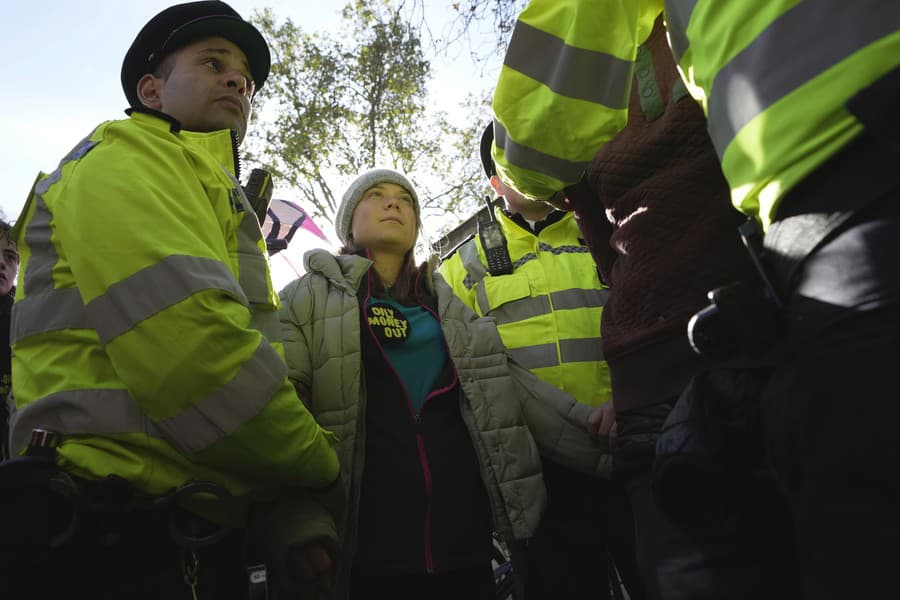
<point>602,423</point>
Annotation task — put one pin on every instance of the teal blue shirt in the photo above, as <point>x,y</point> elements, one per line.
<point>413,343</point>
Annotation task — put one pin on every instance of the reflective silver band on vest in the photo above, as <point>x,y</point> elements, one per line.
<point>154,289</point>
<point>80,412</point>
<point>195,428</point>
<point>563,249</point>
<point>231,406</point>
<point>43,308</point>
<point>576,298</point>
<point>567,70</point>
<point>535,160</point>
<point>475,269</point>
<point>48,311</point>
<point>525,259</point>
<point>521,309</point>
<point>570,351</point>
<point>535,357</point>
<point>535,306</point>
<point>581,350</point>
<point>678,15</point>
<point>38,276</point>
<point>794,49</point>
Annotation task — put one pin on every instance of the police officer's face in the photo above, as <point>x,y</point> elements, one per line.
<point>517,203</point>
<point>207,87</point>
<point>385,219</point>
<point>9,264</point>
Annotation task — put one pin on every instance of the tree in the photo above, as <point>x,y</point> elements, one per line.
<point>332,108</point>
<point>485,24</point>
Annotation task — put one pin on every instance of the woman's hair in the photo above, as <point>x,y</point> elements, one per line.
<point>404,288</point>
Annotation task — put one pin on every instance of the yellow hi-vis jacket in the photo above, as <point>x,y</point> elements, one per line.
<point>547,310</point>
<point>773,77</point>
<point>145,325</point>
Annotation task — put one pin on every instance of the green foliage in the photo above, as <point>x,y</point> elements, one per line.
<point>332,108</point>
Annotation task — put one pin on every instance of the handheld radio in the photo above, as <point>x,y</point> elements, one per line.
<point>259,190</point>
<point>494,243</point>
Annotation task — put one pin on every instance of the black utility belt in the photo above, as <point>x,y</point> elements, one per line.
<point>76,509</point>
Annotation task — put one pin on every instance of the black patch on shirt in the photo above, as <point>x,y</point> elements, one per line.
<point>388,324</point>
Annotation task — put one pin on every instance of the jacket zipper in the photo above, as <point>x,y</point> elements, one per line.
<point>234,154</point>
<point>420,440</point>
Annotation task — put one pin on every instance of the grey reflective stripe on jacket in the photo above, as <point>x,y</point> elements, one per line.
<point>569,351</point>
<point>154,289</point>
<point>569,71</point>
<point>538,355</point>
<point>81,411</point>
<point>124,305</point>
<point>732,105</point>
<point>114,411</point>
<point>678,15</point>
<point>535,160</point>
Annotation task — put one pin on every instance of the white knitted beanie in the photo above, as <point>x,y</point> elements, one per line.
<point>356,190</point>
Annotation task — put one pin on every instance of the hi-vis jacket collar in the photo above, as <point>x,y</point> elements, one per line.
<point>222,144</point>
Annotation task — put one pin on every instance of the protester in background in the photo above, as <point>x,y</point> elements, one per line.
<point>547,307</point>
<point>143,338</point>
<point>432,415</point>
<point>798,121</point>
<point>9,268</point>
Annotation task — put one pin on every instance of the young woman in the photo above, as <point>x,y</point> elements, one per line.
<point>432,416</point>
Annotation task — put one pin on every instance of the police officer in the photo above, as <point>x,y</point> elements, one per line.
<point>145,329</point>
<point>801,105</point>
<point>547,303</point>
<point>9,268</point>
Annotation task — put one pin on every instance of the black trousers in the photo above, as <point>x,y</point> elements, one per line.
<point>461,584</point>
<point>587,520</point>
<point>831,410</point>
<point>122,556</point>
<point>741,552</point>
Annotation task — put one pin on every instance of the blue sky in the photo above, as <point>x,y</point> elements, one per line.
<point>61,60</point>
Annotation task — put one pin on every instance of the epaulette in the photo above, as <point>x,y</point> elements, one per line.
<point>457,247</point>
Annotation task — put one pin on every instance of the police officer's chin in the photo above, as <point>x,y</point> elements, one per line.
<point>239,127</point>
<point>237,123</point>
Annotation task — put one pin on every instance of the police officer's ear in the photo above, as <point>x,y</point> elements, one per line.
<point>149,91</point>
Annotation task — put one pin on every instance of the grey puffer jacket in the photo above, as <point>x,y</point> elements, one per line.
<point>512,416</point>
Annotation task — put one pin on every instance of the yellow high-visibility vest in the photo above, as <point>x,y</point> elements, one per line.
<point>145,327</point>
<point>547,310</point>
<point>773,78</point>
